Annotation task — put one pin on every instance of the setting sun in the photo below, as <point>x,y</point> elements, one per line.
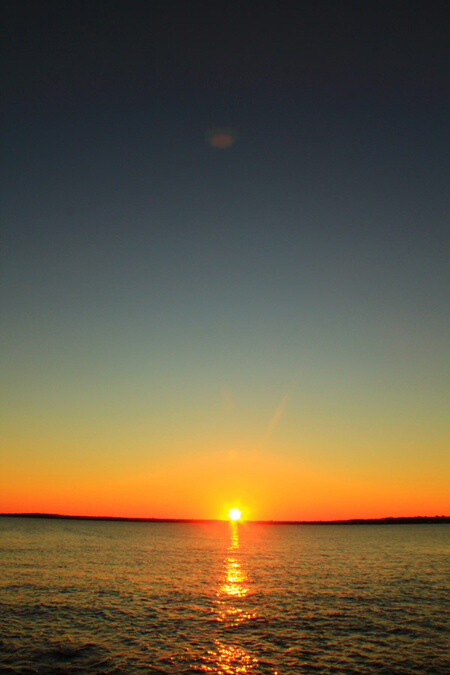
<point>234,514</point>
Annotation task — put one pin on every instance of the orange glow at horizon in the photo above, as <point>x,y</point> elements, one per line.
<point>205,484</point>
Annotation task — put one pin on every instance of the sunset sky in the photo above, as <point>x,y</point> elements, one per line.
<point>190,325</point>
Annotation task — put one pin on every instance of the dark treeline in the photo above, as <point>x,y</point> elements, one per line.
<point>353,521</point>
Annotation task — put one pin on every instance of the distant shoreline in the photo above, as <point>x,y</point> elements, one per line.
<point>412,520</point>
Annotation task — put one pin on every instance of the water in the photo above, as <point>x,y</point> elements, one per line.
<point>124,597</point>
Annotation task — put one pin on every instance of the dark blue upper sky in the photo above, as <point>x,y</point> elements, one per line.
<point>317,242</point>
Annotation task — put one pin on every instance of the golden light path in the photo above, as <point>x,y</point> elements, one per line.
<point>230,658</point>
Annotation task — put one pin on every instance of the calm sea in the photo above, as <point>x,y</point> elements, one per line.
<point>124,597</point>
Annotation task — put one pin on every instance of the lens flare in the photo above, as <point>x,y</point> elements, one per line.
<point>221,138</point>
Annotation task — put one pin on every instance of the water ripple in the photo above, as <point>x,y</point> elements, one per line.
<point>171,599</point>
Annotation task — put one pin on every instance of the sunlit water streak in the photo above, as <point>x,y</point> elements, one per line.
<point>111,597</point>
<point>231,659</point>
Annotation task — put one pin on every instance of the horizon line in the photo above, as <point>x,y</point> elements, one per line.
<point>347,521</point>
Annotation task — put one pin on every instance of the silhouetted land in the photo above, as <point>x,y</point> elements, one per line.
<point>354,521</point>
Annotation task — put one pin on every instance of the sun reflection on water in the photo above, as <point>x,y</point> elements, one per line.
<point>230,659</point>
<point>234,582</point>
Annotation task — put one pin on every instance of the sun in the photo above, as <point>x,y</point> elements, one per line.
<point>234,514</point>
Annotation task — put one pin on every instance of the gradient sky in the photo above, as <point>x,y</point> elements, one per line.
<point>184,327</point>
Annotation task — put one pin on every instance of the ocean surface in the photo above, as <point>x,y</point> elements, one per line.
<point>129,597</point>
